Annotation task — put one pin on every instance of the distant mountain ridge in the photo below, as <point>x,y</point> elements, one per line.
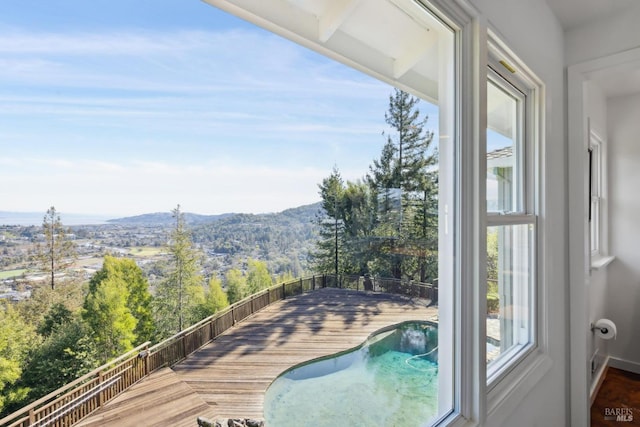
<point>166,218</point>
<point>156,218</point>
<point>284,240</point>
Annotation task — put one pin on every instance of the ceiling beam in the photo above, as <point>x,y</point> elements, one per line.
<point>410,58</point>
<point>334,17</point>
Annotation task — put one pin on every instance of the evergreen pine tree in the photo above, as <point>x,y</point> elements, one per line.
<point>405,182</point>
<point>57,252</point>
<point>179,294</point>
<point>328,252</point>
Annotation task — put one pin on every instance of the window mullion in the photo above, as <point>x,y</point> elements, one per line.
<point>510,219</point>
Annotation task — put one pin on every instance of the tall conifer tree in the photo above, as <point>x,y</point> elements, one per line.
<point>328,253</point>
<point>57,252</point>
<point>388,226</point>
<point>175,297</point>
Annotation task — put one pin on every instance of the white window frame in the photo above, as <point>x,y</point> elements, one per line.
<point>598,208</point>
<point>522,195</point>
<point>595,186</point>
<point>507,386</point>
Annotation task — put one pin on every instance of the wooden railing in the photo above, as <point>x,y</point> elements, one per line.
<point>76,400</point>
<point>386,285</point>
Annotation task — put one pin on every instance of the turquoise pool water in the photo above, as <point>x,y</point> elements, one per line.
<point>391,380</point>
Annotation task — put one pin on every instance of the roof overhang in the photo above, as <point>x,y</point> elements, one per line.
<point>395,41</point>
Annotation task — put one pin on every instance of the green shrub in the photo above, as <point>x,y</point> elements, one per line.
<point>493,302</point>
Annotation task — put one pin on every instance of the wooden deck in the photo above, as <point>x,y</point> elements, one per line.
<point>228,377</point>
<point>162,399</point>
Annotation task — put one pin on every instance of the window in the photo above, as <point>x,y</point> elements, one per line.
<point>435,61</point>
<point>397,223</point>
<point>595,192</point>
<point>597,201</point>
<point>511,223</point>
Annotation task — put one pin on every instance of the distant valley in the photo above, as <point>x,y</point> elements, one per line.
<point>284,240</point>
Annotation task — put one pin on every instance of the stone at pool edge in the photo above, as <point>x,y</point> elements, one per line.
<point>231,422</point>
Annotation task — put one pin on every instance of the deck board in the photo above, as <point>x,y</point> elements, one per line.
<point>160,399</point>
<point>230,375</point>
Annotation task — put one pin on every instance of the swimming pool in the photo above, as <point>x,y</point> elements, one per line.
<point>390,380</point>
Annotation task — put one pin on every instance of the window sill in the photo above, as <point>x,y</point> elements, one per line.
<point>599,262</point>
<point>511,391</point>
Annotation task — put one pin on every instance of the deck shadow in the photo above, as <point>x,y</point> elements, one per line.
<point>233,372</point>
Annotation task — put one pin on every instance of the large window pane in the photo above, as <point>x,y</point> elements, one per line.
<point>391,229</point>
<point>509,291</point>
<point>595,193</point>
<point>504,129</point>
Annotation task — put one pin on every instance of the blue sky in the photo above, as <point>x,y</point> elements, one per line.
<point>121,107</point>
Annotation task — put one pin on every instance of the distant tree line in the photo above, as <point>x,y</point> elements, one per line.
<point>283,240</point>
<point>387,223</point>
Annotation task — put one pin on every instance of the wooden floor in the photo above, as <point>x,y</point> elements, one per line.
<point>228,377</point>
<point>619,394</point>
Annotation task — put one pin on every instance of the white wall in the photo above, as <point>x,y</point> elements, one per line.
<point>603,37</point>
<point>624,213</point>
<point>600,41</point>
<point>596,110</point>
<point>527,26</point>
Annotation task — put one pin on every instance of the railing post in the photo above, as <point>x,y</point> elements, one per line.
<point>101,394</point>
<point>284,295</point>
<point>32,416</point>
<point>313,282</point>
<point>147,355</point>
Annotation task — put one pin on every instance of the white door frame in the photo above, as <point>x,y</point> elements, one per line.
<point>579,250</point>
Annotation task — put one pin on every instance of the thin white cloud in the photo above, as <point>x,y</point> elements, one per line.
<point>274,118</point>
<point>115,43</point>
<point>191,60</point>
